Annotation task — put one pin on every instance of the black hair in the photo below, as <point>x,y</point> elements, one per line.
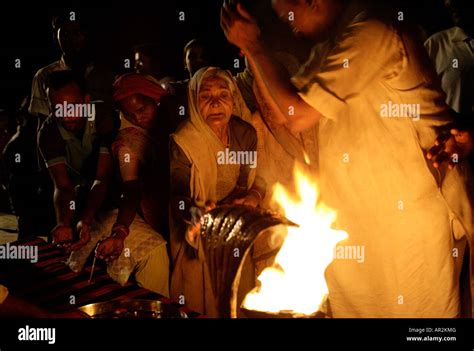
<point>59,79</point>
<point>64,17</point>
<point>149,49</point>
<point>198,43</point>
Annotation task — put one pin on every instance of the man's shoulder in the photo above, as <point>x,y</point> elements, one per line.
<point>49,130</point>
<point>42,73</point>
<point>372,28</point>
<point>443,36</point>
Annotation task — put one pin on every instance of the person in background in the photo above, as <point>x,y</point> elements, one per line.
<point>197,54</point>
<point>452,53</point>
<point>19,159</point>
<point>7,130</point>
<point>149,59</point>
<point>72,39</point>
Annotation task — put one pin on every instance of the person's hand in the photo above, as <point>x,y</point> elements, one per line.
<point>451,148</point>
<point>239,27</point>
<point>193,230</point>
<point>62,236</point>
<point>192,234</point>
<point>250,199</point>
<point>111,248</point>
<point>83,228</point>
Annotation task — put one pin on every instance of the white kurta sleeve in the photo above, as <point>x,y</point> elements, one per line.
<point>368,50</point>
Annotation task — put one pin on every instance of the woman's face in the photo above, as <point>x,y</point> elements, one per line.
<point>215,101</point>
<point>139,110</point>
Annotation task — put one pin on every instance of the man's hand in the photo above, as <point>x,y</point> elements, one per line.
<point>192,234</point>
<point>62,236</point>
<point>110,249</point>
<point>193,230</point>
<point>83,228</point>
<point>250,199</point>
<point>451,148</point>
<point>239,27</point>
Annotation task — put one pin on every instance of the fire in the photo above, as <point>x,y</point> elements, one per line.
<point>296,283</point>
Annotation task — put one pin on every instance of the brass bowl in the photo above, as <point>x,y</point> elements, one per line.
<point>137,308</point>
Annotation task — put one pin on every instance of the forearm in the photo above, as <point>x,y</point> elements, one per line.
<point>281,97</point>
<point>95,199</point>
<point>129,203</point>
<point>64,205</point>
<point>258,187</point>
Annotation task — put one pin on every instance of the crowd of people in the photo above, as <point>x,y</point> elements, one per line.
<point>124,163</point>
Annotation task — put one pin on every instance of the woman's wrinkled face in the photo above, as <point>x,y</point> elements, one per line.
<point>215,101</point>
<point>139,110</point>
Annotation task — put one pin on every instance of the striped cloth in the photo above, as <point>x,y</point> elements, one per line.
<point>50,284</point>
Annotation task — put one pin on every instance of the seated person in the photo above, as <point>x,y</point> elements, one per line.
<point>144,184</point>
<point>219,120</point>
<point>76,152</point>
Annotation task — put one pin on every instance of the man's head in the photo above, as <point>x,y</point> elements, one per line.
<point>150,59</point>
<point>65,89</point>
<point>69,34</point>
<point>196,55</point>
<point>462,13</point>
<point>310,18</point>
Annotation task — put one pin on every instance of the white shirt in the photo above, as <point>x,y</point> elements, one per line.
<point>374,173</point>
<point>98,85</point>
<point>39,99</point>
<point>452,52</point>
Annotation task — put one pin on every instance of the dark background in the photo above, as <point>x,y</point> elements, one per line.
<point>114,28</point>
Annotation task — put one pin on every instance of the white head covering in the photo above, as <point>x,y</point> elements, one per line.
<point>199,143</point>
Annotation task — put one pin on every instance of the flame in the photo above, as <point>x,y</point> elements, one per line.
<point>296,281</point>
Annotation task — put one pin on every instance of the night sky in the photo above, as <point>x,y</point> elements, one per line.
<point>26,33</point>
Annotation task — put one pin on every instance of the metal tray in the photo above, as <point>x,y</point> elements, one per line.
<point>132,309</point>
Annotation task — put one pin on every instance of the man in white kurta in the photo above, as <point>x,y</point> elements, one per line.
<point>380,103</point>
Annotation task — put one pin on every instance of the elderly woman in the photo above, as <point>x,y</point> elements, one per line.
<point>203,176</point>
<point>131,237</point>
